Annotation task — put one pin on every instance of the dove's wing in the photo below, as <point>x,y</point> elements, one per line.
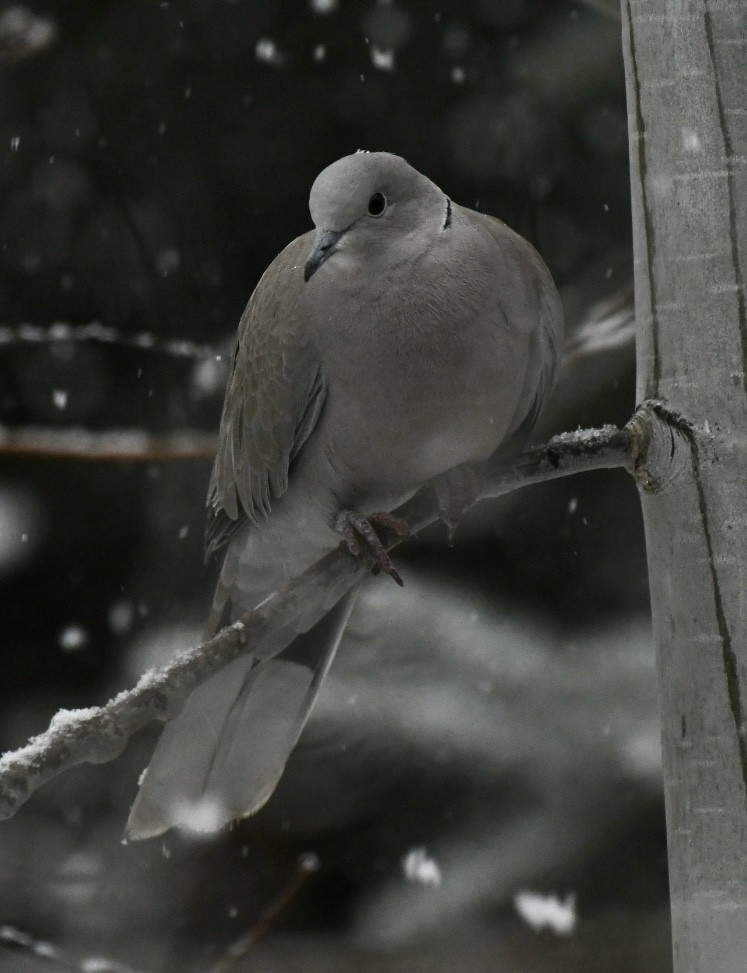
<point>273,401</point>
<point>532,303</point>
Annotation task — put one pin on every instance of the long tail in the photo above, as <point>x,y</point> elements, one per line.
<point>222,756</point>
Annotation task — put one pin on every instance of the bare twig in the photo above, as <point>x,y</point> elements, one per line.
<point>113,445</point>
<point>308,863</point>
<point>99,734</point>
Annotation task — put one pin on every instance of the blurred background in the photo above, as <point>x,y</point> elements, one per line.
<point>479,786</point>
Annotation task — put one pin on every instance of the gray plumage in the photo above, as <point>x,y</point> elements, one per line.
<point>405,336</point>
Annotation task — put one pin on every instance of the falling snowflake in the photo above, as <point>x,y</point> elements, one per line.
<point>73,638</point>
<point>266,50</point>
<point>382,58</point>
<point>547,912</point>
<point>418,866</point>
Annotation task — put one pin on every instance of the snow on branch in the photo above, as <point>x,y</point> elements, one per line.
<point>99,734</point>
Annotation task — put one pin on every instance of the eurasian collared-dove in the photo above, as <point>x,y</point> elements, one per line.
<point>403,337</point>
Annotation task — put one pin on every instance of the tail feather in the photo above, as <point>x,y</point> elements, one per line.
<point>222,756</point>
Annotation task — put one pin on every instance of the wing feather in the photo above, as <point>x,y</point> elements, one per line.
<point>273,401</point>
<point>536,292</point>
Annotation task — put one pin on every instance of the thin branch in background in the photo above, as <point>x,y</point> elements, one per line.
<point>607,324</point>
<point>99,734</point>
<point>113,445</point>
<point>16,939</point>
<point>308,863</point>
<point>147,341</point>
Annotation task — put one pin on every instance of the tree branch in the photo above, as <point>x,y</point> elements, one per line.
<point>99,734</point>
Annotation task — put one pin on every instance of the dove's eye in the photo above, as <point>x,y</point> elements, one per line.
<point>377,204</point>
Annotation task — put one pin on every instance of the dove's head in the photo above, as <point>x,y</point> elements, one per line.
<point>367,206</point>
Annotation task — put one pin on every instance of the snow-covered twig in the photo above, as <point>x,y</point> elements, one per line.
<point>99,734</point>
<point>103,334</point>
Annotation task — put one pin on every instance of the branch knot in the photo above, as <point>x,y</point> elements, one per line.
<point>657,434</point>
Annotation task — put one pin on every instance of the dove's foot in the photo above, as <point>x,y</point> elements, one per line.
<point>359,535</point>
<point>456,491</point>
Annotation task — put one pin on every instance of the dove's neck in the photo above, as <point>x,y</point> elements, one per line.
<point>390,310</point>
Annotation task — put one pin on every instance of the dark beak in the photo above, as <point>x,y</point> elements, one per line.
<point>324,247</point>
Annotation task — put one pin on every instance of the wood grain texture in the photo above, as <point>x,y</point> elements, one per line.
<point>686,75</point>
